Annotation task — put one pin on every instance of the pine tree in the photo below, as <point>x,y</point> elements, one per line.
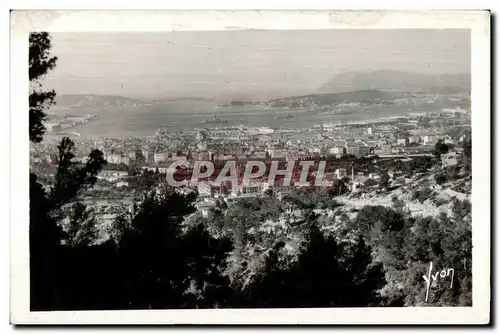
<point>40,63</point>
<point>46,252</point>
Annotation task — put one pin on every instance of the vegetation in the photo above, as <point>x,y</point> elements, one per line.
<point>40,63</point>
<point>441,148</point>
<point>422,195</point>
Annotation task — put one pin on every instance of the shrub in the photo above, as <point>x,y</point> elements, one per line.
<point>440,178</point>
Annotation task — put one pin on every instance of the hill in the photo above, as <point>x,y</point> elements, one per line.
<point>397,81</point>
<point>70,101</point>
<point>363,96</point>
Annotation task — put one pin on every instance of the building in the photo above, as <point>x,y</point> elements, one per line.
<point>414,139</point>
<point>315,150</point>
<point>121,184</point>
<point>449,159</point>
<point>265,130</point>
<point>205,156</point>
<point>53,127</point>
<point>401,142</point>
<point>205,207</point>
<point>201,136</point>
<point>386,148</point>
<point>202,146</point>
<point>352,148</point>
<point>80,159</point>
<point>259,154</point>
<point>117,159</point>
<point>112,175</point>
<point>176,157</point>
<point>292,155</point>
<point>341,173</point>
<point>449,141</point>
<point>277,154</point>
<point>364,150</point>
<point>204,189</point>
<point>336,150</point>
<point>132,156</point>
<point>430,140</point>
<point>160,157</point>
<point>251,189</point>
<point>224,157</point>
<point>264,139</point>
<point>277,188</point>
<point>146,155</point>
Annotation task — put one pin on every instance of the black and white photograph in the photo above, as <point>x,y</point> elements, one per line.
<point>246,167</point>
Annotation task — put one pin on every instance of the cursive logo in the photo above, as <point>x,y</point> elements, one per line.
<point>433,278</point>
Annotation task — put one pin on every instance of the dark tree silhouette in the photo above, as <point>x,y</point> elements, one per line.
<point>70,179</point>
<point>441,148</point>
<point>384,180</point>
<point>81,229</point>
<point>467,154</point>
<point>440,178</point>
<point>161,266</point>
<point>40,63</point>
<point>326,274</point>
<point>46,252</point>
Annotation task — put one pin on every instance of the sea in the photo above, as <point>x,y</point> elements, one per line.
<point>144,121</point>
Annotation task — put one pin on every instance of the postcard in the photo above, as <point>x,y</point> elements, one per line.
<point>250,167</point>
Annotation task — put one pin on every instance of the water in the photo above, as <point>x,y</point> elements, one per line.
<point>144,121</point>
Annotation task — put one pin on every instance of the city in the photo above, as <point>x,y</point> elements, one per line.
<point>346,146</point>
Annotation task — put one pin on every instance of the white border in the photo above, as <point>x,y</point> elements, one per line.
<point>477,21</point>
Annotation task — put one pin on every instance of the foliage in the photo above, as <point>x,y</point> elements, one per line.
<point>405,246</point>
<point>71,180</point>
<point>422,195</point>
<point>40,63</point>
<point>326,274</point>
<point>81,229</point>
<point>446,242</point>
<point>440,178</point>
<point>185,274</point>
<point>441,148</point>
<point>47,258</point>
<point>384,180</point>
<point>467,155</point>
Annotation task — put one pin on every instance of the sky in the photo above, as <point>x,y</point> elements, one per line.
<point>247,64</point>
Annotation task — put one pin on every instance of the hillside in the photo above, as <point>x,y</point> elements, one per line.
<point>69,101</point>
<point>397,81</point>
<point>364,96</point>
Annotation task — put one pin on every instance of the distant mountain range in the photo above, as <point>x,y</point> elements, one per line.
<point>346,86</point>
<point>390,80</point>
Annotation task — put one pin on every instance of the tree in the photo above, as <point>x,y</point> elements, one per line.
<point>440,178</point>
<point>268,193</point>
<point>81,229</point>
<point>71,180</point>
<point>47,255</point>
<point>40,63</point>
<point>384,180</point>
<point>467,154</point>
<point>326,274</point>
<point>447,242</point>
<point>441,148</point>
<point>163,266</point>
